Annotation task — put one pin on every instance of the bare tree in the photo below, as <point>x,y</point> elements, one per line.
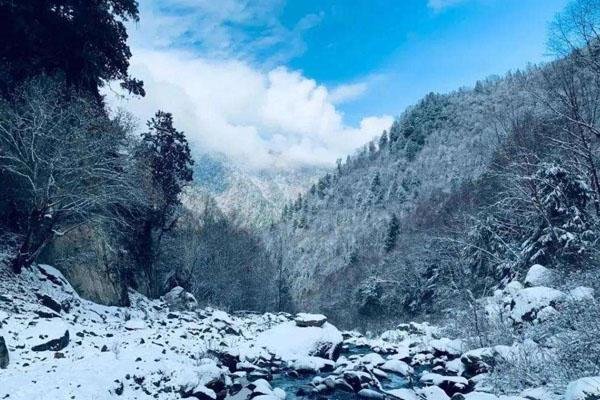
<point>64,156</point>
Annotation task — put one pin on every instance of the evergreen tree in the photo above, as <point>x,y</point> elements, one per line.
<point>165,155</point>
<point>392,234</point>
<point>84,40</point>
<point>383,140</point>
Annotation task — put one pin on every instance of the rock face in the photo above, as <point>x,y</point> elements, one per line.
<point>305,320</point>
<point>54,344</point>
<point>180,300</point>
<point>4,359</point>
<point>90,265</point>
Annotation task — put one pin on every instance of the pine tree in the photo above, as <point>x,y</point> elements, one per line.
<point>383,140</point>
<point>392,234</point>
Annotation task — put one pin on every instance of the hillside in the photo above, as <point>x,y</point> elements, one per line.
<point>337,231</point>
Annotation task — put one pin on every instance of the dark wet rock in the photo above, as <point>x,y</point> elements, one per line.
<point>54,344</point>
<point>226,359</point>
<point>44,314</point>
<point>478,361</point>
<point>54,279</point>
<point>49,302</point>
<point>328,350</point>
<point>4,358</point>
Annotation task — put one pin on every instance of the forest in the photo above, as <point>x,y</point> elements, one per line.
<point>477,210</point>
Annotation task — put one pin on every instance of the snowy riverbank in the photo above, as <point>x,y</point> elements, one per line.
<point>60,346</point>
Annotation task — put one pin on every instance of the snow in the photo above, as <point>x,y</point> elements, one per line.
<point>584,389</point>
<point>432,393</point>
<point>306,319</point>
<point>581,293</point>
<point>291,342</point>
<point>453,347</point>
<point>529,301</point>
<point>403,394</point>
<point>431,378</point>
<point>397,366</point>
<point>538,275</point>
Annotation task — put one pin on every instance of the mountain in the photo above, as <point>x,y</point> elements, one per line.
<point>248,196</point>
<point>359,241</point>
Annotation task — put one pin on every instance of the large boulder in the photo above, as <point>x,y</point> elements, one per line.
<point>538,275</point>
<point>304,320</point>
<point>179,300</point>
<point>478,361</point>
<point>4,358</point>
<point>54,344</point>
<point>291,342</point>
<point>584,389</point>
<point>529,301</point>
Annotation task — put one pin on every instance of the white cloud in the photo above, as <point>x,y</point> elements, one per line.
<point>348,92</point>
<point>263,118</point>
<point>241,29</point>
<point>439,5</point>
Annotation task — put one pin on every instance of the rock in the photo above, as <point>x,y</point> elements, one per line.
<point>135,324</point>
<point>447,347</point>
<point>529,301</point>
<point>584,389</point>
<point>478,361</point>
<point>179,300</point>
<point>540,393</point>
<point>4,358</point>
<point>49,302</point>
<point>403,394</point>
<point>431,393</point>
<point>327,350</point>
<point>200,392</point>
<point>397,367</point>
<point>581,293</point>
<point>538,275</point>
<point>449,384</point>
<point>54,344</point>
<point>304,320</point>
<point>371,394</point>
<point>474,396</point>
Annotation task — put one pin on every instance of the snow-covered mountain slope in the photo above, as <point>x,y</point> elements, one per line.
<point>55,345</point>
<point>251,197</point>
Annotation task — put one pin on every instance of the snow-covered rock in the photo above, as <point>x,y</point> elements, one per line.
<point>291,342</point>
<point>478,361</point>
<point>305,320</point>
<point>584,389</point>
<point>445,346</point>
<point>403,394</point>
<point>529,301</point>
<point>540,393</point>
<point>581,293</point>
<point>432,393</point>
<point>397,367</point>
<point>178,299</point>
<point>449,384</point>
<point>538,275</point>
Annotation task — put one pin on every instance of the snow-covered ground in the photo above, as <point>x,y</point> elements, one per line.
<point>61,346</point>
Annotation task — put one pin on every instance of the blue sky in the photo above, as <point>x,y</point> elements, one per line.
<point>287,82</point>
<point>406,48</point>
